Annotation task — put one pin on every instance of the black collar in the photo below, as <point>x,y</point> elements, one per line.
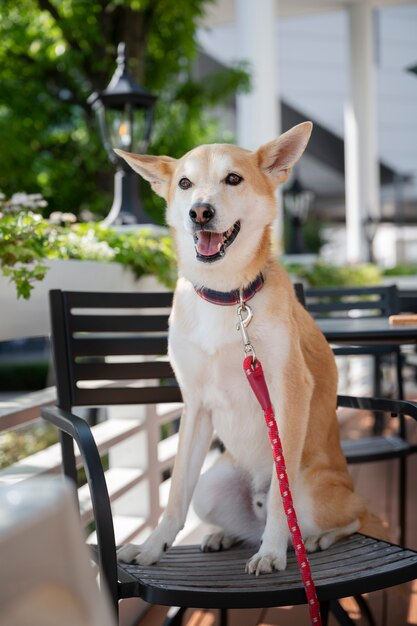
<point>231,297</point>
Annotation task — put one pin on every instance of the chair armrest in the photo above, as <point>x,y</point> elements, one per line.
<point>80,431</point>
<point>402,407</point>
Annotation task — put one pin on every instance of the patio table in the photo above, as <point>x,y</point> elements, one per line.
<point>358,331</point>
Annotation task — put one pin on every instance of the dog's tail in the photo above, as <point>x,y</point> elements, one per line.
<point>373,527</point>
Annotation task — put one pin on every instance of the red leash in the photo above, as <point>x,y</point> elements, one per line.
<point>254,373</point>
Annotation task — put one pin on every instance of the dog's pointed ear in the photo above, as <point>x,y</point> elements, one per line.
<point>155,169</point>
<point>277,158</point>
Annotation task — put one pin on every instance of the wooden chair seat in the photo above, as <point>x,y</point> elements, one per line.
<point>185,576</point>
<point>379,448</point>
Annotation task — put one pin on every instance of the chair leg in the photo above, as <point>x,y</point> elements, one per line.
<point>324,613</point>
<point>378,426</point>
<point>223,617</point>
<point>174,616</point>
<point>402,500</point>
<point>399,372</point>
<point>176,613</point>
<point>365,610</point>
<point>342,617</point>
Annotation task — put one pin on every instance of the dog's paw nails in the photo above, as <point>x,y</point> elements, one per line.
<point>265,563</point>
<point>216,542</point>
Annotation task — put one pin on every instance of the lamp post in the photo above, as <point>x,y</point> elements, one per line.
<point>297,203</point>
<point>125,114</point>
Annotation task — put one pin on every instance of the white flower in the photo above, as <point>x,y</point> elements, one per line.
<point>87,247</point>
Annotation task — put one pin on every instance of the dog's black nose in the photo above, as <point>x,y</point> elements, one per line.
<point>202,212</point>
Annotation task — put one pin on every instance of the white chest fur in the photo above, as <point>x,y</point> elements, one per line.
<point>206,350</point>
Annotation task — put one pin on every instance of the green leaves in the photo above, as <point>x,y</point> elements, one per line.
<point>54,53</point>
<point>324,274</point>
<point>27,241</point>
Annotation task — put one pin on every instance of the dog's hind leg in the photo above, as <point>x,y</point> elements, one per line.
<point>328,538</point>
<point>224,500</point>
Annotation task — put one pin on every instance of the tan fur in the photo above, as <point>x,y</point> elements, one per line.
<point>206,353</point>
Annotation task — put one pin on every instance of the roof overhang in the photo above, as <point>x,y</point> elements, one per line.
<point>223,11</point>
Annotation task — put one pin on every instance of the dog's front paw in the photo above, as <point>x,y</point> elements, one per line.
<point>128,553</point>
<point>264,562</point>
<point>141,555</point>
<point>216,542</point>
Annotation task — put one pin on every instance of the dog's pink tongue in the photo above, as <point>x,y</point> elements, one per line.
<point>208,243</point>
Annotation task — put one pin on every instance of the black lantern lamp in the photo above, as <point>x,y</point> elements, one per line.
<point>125,114</point>
<point>297,203</point>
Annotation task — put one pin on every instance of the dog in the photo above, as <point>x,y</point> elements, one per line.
<point>221,206</point>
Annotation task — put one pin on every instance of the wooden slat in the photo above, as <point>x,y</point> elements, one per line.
<point>106,396</point>
<point>333,307</point>
<point>376,301</point>
<point>126,527</point>
<point>167,449</point>
<point>119,481</point>
<point>116,346</point>
<point>375,448</point>
<point>106,435</point>
<point>185,572</point>
<point>123,371</point>
<point>349,291</point>
<point>408,301</point>
<point>118,323</point>
<point>24,408</point>
<point>95,300</point>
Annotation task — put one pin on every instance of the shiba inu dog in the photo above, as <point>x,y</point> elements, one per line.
<point>221,205</point>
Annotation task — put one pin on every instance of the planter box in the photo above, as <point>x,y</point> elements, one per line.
<point>402,282</point>
<point>30,318</point>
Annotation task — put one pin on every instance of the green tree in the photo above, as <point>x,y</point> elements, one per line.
<point>54,53</point>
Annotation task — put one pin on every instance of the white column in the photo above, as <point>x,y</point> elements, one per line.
<point>361,146</point>
<point>258,113</point>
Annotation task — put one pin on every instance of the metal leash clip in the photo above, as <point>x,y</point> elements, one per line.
<point>245,314</point>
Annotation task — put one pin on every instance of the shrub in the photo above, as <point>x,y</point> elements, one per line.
<point>27,240</point>
<point>323,274</point>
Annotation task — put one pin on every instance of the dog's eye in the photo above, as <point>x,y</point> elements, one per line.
<point>185,183</point>
<point>233,179</point>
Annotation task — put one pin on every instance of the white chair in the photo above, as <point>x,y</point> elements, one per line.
<point>46,577</point>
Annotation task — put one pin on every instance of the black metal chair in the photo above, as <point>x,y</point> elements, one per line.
<point>408,304</point>
<point>408,300</point>
<point>87,328</point>
<point>379,301</point>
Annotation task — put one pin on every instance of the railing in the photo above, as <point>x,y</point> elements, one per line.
<point>139,461</point>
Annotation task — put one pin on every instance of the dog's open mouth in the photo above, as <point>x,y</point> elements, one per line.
<point>211,246</point>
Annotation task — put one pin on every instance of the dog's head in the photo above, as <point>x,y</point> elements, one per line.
<point>221,198</point>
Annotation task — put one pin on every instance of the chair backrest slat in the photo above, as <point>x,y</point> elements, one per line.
<point>107,345</point>
<point>123,346</point>
<point>118,323</point>
<point>379,301</point>
<point>123,371</point>
<point>112,300</point>
<point>107,396</point>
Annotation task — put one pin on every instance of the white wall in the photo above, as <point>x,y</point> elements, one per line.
<point>313,73</point>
